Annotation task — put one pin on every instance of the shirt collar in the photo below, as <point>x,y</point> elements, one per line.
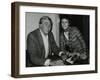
<point>43,34</point>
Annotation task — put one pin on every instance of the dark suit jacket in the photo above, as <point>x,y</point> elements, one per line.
<point>36,50</point>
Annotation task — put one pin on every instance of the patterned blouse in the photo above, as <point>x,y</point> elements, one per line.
<point>74,43</point>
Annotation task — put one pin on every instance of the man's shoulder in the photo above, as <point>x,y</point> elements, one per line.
<point>33,33</point>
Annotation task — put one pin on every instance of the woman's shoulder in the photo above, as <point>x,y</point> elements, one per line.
<point>74,30</point>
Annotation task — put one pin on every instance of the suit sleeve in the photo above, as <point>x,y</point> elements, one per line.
<point>32,49</point>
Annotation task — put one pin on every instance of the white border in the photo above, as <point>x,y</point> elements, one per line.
<point>53,69</point>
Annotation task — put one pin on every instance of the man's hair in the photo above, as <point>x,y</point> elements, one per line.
<point>45,17</point>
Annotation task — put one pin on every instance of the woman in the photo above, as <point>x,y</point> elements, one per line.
<point>72,43</point>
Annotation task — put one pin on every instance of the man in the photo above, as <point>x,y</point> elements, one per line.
<point>41,44</point>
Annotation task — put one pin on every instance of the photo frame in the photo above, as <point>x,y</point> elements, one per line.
<point>25,16</point>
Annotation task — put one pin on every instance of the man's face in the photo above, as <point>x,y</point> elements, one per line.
<point>45,26</point>
<point>64,23</point>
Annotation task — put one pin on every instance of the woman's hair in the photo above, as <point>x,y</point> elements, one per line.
<point>67,18</point>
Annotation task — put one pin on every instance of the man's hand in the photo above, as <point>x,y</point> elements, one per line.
<point>47,62</point>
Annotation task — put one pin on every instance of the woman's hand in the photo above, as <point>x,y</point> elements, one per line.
<point>83,56</point>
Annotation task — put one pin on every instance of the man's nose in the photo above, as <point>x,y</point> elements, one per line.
<point>47,24</point>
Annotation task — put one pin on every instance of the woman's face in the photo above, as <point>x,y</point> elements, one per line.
<point>65,23</point>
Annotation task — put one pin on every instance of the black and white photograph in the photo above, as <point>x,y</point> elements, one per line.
<point>56,39</point>
<point>51,39</point>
